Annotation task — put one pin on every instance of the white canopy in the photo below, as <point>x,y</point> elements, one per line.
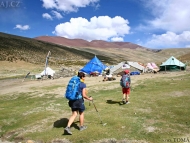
<point>48,71</point>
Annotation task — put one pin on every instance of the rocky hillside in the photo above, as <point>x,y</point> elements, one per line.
<point>14,48</point>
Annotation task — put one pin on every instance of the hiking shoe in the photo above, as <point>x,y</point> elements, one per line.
<point>127,102</point>
<point>67,129</point>
<point>82,128</point>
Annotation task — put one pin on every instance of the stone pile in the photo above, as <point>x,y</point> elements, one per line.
<point>66,72</point>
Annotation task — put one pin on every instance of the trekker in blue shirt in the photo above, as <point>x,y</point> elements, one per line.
<point>77,106</point>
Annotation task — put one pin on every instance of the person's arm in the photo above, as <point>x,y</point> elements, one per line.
<point>84,94</point>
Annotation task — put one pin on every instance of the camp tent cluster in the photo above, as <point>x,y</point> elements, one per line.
<point>95,65</point>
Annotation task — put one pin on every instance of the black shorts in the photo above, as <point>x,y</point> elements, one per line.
<point>77,105</point>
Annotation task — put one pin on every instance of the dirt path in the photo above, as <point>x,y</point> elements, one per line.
<point>12,86</point>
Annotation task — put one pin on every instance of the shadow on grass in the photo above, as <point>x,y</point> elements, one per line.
<point>62,123</point>
<point>114,102</point>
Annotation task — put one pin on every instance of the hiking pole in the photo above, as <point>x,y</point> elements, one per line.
<point>89,102</point>
<point>98,114</point>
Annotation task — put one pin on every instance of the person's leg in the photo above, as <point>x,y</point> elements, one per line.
<point>72,118</point>
<point>81,118</point>
<point>124,95</point>
<point>127,95</point>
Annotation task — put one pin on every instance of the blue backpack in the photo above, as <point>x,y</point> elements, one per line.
<point>125,81</point>
<point>72,91</point>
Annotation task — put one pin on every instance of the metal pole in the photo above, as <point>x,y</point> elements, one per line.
<point>47,58</point>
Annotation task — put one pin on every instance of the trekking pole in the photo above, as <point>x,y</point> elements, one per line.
<point>89,103</point>
<point>98,114</point>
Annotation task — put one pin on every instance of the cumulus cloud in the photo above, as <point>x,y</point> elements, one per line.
<point>67,5</point>
<point>117,39</point>
<point>171,19</point>
<point>169,39</point>
<point>57,14</point>
<point>169,15</point>
<point>97,28</point>
<point>47,16</point>
<point>24,27</point>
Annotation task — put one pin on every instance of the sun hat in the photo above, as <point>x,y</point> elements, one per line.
<point>126,71</point>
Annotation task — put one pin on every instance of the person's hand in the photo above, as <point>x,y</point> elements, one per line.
<point>90,98</point>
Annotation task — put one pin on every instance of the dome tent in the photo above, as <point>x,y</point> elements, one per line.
<point>94,65</point>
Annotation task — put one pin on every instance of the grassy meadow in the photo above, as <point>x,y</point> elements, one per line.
<point>158,112</point>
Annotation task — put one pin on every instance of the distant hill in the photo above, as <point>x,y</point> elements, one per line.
<point>14,48</point>
<point>120,51</point>
<point>78,43</point>
<point>78,51</point>
<point>182,54</point>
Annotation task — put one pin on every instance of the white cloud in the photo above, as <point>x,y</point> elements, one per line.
<point>117,39</point>
<point>171,20</point>
<point>170,15</point>
<point>54,13</point>
<point>24,27</point>
<point>47,16</point>
<point>98,28</point>
<point>169,39</point>
<point>57,14</point>
<point>67,5</point>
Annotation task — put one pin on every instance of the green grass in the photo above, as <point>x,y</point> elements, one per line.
<point>158,112</point>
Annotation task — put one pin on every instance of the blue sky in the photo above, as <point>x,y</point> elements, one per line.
<point>149,23</point>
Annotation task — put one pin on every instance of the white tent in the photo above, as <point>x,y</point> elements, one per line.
<point>116,67</point>
<point>47,71</point>
<point>125,66</point>
<point>136,65</point>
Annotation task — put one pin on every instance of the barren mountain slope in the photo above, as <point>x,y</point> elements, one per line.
<point>15,48</point>
<point>120,51</point>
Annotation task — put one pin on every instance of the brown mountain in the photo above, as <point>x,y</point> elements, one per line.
<point>85,44</point>
<point>119,51</point>
<point>65,51</point>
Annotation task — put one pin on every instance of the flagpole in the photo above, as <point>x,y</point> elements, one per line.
<point>47,58</point>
